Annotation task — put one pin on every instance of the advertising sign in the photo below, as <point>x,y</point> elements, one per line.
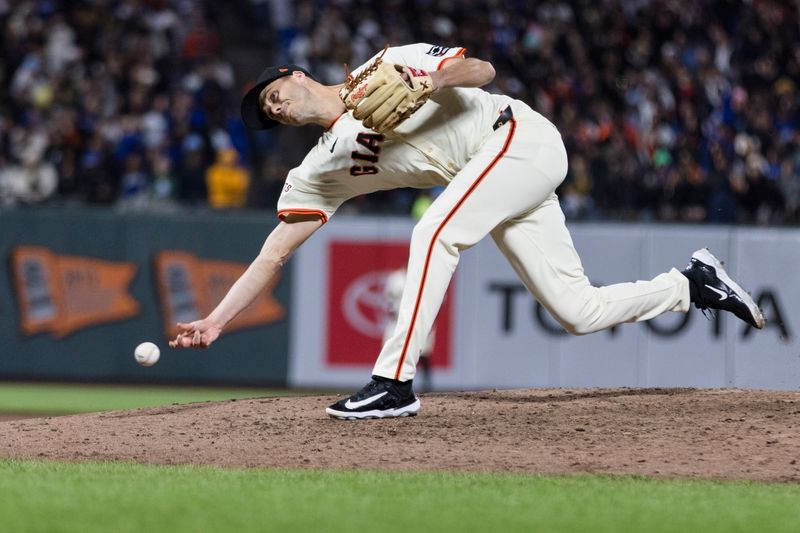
<point>502,337</point>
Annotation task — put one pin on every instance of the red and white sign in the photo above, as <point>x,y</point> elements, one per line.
<point>358,310</point>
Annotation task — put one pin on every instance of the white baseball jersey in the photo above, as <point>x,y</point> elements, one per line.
<point>501,176</point>
<point>426,150</point>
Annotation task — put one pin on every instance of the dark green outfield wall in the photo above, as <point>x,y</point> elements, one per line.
<point>104,352</point>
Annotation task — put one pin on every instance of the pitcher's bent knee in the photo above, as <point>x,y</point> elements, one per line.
<point>578,328</point>
<point>583,320</point>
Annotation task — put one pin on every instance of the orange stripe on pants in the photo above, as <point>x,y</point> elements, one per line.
<point>478,180</point>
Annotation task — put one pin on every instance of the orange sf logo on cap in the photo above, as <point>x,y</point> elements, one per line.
<point>283,70</point>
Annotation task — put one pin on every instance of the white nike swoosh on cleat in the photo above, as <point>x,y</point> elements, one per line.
<point>408,410</point>
<point>705,256</point>
<point>365,401</point>
<point>722,295</point>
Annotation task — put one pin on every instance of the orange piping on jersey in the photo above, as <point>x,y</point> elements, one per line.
<point>513,124</point>
<point>446,59</point>
<point>284,212</point>
<point>335,121</point>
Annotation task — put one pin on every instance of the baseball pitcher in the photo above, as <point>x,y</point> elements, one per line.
<point>414,116</point>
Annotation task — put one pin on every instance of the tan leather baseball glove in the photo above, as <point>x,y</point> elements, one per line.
<point>384,94</point>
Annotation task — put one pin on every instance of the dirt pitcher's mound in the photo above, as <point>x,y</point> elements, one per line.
<point>720,434</point>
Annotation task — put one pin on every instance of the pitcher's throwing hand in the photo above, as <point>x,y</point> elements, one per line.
<point>197,334</point>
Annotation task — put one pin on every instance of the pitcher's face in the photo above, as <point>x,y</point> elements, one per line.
<point>286,100</point>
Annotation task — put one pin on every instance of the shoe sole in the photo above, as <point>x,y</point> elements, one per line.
<point>407,410</point>
<point>704,255</point>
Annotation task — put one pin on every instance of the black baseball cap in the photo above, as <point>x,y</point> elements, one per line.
<point>252,116</point>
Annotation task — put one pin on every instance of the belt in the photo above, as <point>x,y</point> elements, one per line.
<point>505,115</point>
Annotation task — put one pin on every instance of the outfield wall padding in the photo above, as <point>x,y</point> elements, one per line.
<point>79,289</point>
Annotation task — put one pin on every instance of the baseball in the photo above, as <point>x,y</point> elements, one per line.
<point>147,354</point>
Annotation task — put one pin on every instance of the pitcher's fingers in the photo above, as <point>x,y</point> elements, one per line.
<point>181,341</point>
<point>406,75</point>
<point>176,342</point>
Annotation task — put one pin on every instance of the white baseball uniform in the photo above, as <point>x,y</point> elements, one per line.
<point>393,291</point>
<point>501,172</point>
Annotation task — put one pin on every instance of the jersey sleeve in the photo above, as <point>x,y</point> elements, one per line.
<point>420,55</point>
<point>304,195</point>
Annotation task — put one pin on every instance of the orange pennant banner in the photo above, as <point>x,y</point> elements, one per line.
<point>61,294</point>
<point>190,287</point>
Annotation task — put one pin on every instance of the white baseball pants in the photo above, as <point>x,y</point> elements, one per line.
<point>507,189</point>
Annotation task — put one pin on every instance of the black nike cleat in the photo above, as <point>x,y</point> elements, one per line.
<point>712,288</point>
<point>380,398</point>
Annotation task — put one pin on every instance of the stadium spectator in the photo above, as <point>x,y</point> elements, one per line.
<point>30,178</point>
<point>227,181</point>
<point>164,187</point>
<point>192,171</point>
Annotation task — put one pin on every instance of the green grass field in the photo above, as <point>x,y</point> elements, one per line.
<point>69,399</point>
<point>104,497</point>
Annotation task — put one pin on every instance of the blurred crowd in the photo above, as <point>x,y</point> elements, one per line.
<point>117,102</point>
<point>671,110</point>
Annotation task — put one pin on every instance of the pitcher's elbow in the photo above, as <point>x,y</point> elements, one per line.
<point>489,72</point>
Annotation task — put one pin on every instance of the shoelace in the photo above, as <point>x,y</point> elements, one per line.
<point>351,82</point>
